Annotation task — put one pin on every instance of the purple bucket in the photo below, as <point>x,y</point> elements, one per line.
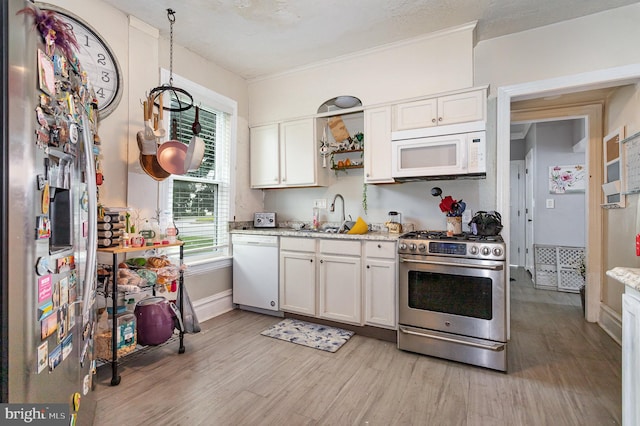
<point>154,320</point>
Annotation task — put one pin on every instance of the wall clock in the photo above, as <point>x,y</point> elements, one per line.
<point>97,59</point>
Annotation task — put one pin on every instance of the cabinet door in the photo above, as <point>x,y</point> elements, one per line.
<point>377,153</point>
<point>298,282</point>
<point>298,153</point>
<point>264,156</point>
<point>461,108</point>
<point>340,289</point>
<point>380,292</point>
<point>415,115</point>
<point>630,360</point>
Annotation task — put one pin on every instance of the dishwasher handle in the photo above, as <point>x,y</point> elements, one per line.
<point>254,240</point>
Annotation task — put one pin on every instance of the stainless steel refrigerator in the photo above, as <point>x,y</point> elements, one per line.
<point>47,233</point>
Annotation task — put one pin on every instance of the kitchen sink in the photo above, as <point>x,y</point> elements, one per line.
<point>330,230</point>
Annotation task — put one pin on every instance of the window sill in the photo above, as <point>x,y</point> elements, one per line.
<point>201,266</point>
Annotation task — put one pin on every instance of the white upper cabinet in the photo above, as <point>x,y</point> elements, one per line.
<point>264,152</point>
<point>450,109</point>
<point>298,153</point>
<point>284,155</point>
<point>377,153</point>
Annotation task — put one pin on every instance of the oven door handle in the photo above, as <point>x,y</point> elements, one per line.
<point>457,265</point>
<point>495,347</point>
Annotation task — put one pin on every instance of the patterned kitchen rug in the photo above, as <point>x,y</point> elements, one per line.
<point>304,333</point>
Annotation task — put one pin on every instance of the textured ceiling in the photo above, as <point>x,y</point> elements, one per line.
<point>255,38</point>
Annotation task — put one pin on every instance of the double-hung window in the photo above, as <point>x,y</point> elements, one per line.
<point>200,201</point>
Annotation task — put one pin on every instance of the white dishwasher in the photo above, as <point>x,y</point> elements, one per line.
<point>255,271</point>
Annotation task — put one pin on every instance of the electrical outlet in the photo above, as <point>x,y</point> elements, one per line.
<point>551,203</point>
<point>320,203</point>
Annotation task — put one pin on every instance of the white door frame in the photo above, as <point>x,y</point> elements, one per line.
<point>610,77</point>
<point>518,205</point>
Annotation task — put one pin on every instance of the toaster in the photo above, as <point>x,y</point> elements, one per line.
<point>264,220</point>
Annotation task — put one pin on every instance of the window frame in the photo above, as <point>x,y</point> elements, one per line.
<point>216,101</point>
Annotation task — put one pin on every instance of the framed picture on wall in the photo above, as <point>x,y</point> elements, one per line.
<point>567,179</point>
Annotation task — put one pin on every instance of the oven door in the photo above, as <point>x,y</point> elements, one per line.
<point>460,296</point>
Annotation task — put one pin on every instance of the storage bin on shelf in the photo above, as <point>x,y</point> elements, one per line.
<point>126,337</point>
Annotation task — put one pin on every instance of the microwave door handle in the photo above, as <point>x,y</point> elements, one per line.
<point>464,153</point>
<point>457,265</point>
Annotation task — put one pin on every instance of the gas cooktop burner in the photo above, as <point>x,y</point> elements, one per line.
<point>442,235</point>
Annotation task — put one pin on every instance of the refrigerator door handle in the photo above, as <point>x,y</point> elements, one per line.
<point>92,236</point>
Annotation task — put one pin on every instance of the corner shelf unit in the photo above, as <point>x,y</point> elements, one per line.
<point>115,252</point>
<point>344,154</point>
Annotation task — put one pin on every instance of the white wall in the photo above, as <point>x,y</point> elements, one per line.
<point>434,63</point>
<point>603,40</point>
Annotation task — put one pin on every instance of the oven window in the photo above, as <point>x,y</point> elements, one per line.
<point>452,294</point>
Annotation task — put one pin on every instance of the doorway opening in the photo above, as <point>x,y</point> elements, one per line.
<point>607,78</point>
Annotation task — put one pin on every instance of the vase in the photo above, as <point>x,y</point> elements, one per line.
<point>454,225</point>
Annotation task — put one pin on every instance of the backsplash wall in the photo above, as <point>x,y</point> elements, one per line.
<point>412,199</point>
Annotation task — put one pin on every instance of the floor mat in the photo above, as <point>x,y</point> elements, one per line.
<point>304,333</point>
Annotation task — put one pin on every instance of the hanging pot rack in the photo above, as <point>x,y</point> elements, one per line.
<point>187,100</point>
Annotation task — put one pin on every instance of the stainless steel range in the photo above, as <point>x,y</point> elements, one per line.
<point>453,297</point>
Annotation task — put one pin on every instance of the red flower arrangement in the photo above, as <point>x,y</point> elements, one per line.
<point>448,205</point>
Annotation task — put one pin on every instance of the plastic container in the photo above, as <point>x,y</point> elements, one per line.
<point>316,218</point>
<point>126,337</point>
<point>155,320</point>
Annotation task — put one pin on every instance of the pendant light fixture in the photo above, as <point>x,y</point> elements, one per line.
<point>185,101</point>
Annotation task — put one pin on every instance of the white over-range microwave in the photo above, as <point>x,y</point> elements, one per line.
<point>416,155</point>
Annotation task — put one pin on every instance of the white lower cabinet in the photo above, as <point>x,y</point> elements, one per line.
<point>340,287</point>
<point>328,278</point>
<point>380,284</point>
<point>630,357</point>
<point>298,275</point>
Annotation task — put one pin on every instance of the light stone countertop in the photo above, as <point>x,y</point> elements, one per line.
<point>289,232</point>
<point>627,276</point>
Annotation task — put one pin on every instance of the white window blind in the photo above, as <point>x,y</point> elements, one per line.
<point>199,201</point>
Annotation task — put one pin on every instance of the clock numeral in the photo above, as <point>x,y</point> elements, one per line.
<point>105,77</point>
<point>102,59</point>
<point>86,40</point>
<point>100,92</point>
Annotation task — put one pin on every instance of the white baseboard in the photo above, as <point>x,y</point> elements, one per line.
<point>214,305</point>
<point>611,322</point>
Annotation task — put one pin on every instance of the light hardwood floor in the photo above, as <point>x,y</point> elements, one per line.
<point>562,371</point>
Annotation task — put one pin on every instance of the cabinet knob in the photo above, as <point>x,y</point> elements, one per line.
<point>379,245</point>
<point>368,175</point>
<point>439,118</point>
<point>321,261</point>
<point>311,260</point>
<point>368,266</point>
<point>433,120</point>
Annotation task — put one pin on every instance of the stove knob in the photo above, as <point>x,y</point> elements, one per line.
<point>412,247</point>
<point>422,247</point>
<point>497,251</point>
<point>486,251</point>
<point>473,250</point>
<point>402,246</point>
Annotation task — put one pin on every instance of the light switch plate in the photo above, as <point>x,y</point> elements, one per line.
<point>550,203</point>
<point>320,203</point>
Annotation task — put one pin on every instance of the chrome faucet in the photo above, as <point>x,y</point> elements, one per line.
<point>332,208</point>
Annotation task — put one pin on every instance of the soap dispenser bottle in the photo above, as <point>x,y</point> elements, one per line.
<point>316,218</point>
